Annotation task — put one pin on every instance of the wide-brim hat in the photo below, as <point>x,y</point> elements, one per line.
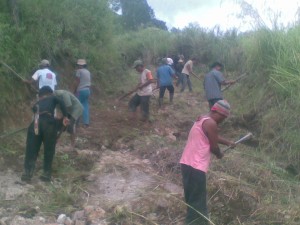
<point>81,62</point>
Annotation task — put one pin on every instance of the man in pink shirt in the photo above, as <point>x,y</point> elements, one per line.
<point>202,141</point>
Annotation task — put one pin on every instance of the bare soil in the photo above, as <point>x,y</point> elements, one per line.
<point>130,169</point>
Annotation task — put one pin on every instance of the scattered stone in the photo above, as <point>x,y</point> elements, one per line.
<point>78,215</point>
<point>96,214</point>
<point>68,221</point>
<point>88,209</point>
<point>61,218</point>
<point>152,216</point>
<point>79,222</point>
<point>4,221</point>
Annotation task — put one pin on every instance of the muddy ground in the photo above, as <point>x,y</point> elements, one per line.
<point>123,171</point>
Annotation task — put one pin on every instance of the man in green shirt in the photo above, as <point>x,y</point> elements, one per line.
<point>74,110</point>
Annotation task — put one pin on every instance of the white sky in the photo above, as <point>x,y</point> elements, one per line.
<point>208,13</point>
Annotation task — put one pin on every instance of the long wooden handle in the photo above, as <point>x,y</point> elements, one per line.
<point>236,80</point>
<point>246,137</point>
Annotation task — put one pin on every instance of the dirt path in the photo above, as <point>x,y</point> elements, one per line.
<point>126,172</point>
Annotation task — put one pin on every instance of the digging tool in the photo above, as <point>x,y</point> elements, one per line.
<point>236,80</point>
<point>246,137</point>
<point>127,94</point>
<point>18,75</point>
<point>196,76</point>
<point>14,72</point>
<point>12,132</point>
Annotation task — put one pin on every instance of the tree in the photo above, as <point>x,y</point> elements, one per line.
<point>136,14</point>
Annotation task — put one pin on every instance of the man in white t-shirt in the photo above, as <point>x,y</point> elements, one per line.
<point>44,76</point>
<point>186,72</point>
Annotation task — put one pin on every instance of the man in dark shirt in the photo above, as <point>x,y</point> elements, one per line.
<point>46,134</point>
<point>213,82</point>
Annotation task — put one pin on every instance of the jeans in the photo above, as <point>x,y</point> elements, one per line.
<point>194,184</point>
<point>186,81</point>
<point>83,96</point>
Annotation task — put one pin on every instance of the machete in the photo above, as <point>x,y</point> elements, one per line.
<point>246,137</point>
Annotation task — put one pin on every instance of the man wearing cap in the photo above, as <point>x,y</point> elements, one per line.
<point>165,76</point>
<point>202,141</point>
<point>144,90</point>
<point>46,133</point>
<point>213,82</point>
<point>44,76</point>
<point>82,86</point>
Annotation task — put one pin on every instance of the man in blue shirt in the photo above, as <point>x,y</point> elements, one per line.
<point>213,82</point>
<point>165,76</point>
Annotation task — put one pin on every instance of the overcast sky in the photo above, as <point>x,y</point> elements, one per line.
<point>208,13</point>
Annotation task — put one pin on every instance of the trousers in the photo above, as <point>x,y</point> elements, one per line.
<point>194,185</point>
<point>83,96</point>
<point>47,136</point>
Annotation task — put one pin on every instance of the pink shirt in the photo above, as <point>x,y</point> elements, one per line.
<point>197,150</point>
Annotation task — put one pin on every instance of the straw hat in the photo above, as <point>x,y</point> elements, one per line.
<point>81,62</point>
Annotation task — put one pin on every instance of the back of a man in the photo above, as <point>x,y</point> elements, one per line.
<point>165,75</point>
<point>44,76</point>
<point>212,85</point>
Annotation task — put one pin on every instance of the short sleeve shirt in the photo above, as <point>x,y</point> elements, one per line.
<point>164,75</point>
<point>212,84</point>
<point>144,77</point>
<point>84,78</point>
<point>73,105</point>
<point>185,68</point>
<point>45,77</point>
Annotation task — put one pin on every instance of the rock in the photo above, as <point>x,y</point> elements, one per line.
<point>4,221</point>
<point>96,214</point>
<point>78,215</point>
<point>152,216</point>
<point>88,209</point>
<point>61,219</point>
<point>68,221</point>
<point>79,222</point>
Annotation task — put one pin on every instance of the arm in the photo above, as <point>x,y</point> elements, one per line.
<point>224,141</point>
<point>150,80</point>
<point>211,130</point>
<point>227,82</point>
<point>63,109</point>
<point>76,84</point>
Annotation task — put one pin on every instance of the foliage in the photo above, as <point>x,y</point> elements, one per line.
<point>136,14</point>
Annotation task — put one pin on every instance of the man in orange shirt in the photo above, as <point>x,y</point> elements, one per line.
<point>144,90</point>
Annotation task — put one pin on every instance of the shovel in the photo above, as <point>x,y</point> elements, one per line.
<point>246,137</point>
